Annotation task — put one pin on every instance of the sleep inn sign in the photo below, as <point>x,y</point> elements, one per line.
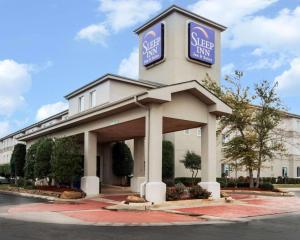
<point>153,45</point>
<point>201,43</point>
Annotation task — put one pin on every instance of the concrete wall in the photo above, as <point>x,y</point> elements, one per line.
<point>106,92</point>
<point>176,67</point>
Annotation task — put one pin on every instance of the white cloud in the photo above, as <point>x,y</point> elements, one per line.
<point>229,12</point>
<point>50,109</point>
<point>15,80</point>
<point>129,66</point>
<point>279,34</point>
<point>272,62</point>
<point>118,15</point>
<point>121,14</point>
<point>96,33</point>
<point>228,69</point>
<point>4,128</point>
<point>289,80</point>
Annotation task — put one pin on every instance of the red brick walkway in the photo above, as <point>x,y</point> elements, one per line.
<point>131,217</point>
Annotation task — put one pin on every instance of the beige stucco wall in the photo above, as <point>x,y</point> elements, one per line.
<point>176,68</point>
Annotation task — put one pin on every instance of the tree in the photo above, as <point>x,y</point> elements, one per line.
<point>66,161</point>
<point>5,170</point>
<point>252,130</point>
<point>122,160</point>
<point>239,149</point>
<point>42,167</point>
<point>265,124</point>
<point>192,161</point>
<point>30,161</point>
<point>167,160</point>
<point>18,160</point>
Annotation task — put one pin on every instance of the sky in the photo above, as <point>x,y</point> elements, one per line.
<point>49,48</point>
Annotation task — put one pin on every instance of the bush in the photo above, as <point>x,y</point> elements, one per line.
<point>18,160</point>
<point>176,192</point>
<point>5,170</point>
<point>42,166</point>
<point>23,183</point>
<point>167,160</point>
<point>30,162</point>
<point>122,160</point>
<point>192,161</point>
<point>66,161</point>
<point>187,181</point>
<point>266,186</point>
<point>197,192</point>
<point>169,182</point>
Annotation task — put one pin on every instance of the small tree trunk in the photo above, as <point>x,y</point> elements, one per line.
<point>251,178</point>
<point>257,178</point>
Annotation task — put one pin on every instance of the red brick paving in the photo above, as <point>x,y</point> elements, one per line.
<point>59,207</point>
<point>232,211</point>
<point>279,203</point>
<point>130,217</point>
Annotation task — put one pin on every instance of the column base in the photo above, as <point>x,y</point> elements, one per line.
<point>90,185</point>
<point>156,192</point>
<point>213,187</point>
<point>135,183</point>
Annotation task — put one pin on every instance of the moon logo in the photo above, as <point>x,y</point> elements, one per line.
<point>202,30</point>
<point>152,33</point>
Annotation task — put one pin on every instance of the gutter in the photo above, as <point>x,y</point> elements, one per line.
<point>143,187</point>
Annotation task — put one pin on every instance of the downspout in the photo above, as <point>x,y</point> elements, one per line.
<point>148,138</point>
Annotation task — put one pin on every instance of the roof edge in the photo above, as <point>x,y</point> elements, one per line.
<point>175,8</point>
<point>35,124</point>
<point>111,77</point>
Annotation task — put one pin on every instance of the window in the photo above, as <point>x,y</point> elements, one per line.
<point>284,172</point>
<point>199,132</point>
<point>298,171</point>
<point>93,99</point>
<point>81,104</point>
<point>187,132</point>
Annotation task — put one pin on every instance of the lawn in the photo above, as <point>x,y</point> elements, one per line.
<point>286,185</point>
<point>4,186</point>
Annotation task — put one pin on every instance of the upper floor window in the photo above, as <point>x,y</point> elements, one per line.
<point>81,104</point>
<point>298,171</point>
<point>93,99</point>
<point>187,132</point>
<point>199,132</point>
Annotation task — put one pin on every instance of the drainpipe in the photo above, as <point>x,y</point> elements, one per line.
<point>148,138</point>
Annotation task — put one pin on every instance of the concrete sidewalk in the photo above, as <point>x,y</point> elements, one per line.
<point>94,211</point>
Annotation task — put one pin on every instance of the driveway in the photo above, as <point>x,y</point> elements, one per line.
<point>11,199</point>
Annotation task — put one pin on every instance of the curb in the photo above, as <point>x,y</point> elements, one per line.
<point>30,195</point>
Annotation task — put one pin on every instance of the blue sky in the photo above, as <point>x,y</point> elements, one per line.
<point>51,47</point>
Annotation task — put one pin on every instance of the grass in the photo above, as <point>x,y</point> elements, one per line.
<point>4,186</point>
<point>286,185</point>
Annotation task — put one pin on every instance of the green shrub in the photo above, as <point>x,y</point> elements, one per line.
<point>42,166</point>
<point>18,160</point>
<point>122,160</point>
<point>30,161</point>
<point>5,170</point>
<point>266,186</point>
<point>187,181</point>
<point>192,161</point>
<point>167,160</point>
<point>197,192</point>
<point>66,161</point>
